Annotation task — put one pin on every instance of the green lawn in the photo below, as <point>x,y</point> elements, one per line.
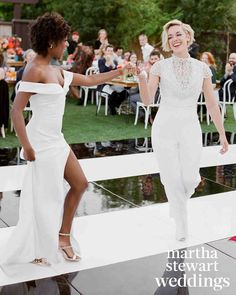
<point>82,125</point>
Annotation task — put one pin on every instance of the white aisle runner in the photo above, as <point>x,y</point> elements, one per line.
<point>118,236</point>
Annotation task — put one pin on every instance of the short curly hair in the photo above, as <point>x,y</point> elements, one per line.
<point>46,29</point>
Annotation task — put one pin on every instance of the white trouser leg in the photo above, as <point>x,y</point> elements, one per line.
<point>177,148</point>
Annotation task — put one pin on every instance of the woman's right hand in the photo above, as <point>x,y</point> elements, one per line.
<point>224,144</point>
<point>29,154</point>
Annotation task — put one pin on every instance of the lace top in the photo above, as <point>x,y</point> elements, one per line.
<point>181,80</point>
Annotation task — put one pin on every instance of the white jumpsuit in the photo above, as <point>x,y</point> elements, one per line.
<point>176,132</point>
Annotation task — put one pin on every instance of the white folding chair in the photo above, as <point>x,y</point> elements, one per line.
<point>90,71</point>
<point>99,96</point>
<point>227,99</point>
<point>3,131</point>
<point>232,137</point>
<point>202,103</point>
<point>147,110</point>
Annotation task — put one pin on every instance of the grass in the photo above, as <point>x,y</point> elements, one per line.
<point>81,124</point>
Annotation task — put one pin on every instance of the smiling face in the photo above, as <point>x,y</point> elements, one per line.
<point>126,55</point>
<point>109,51</point>
<point>133,59</point>
<point>232,59</point>
<point>102,35</point>
<point>57,50</point>
<point>178,39</point>
<point>142,40</point>
<point>205,59</point>
<point>153,59</point>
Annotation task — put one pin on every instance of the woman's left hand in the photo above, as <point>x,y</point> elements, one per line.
<point>224,144</point>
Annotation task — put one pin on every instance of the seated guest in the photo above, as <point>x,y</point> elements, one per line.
<point>193,50</point>
<point>119,55</point>
<point>230,73</point>
<point>117,93</point>
<point>2,61</point>
<point>28,56</point>
<point>102,39</point>
<point>4,102</point>
<point>133,59</point>
<point>126,56</point>
<point>134,95</point>
<point>208,58</point>
<point>83,59</point>
<point>73,43</point>
<point>154,57</point>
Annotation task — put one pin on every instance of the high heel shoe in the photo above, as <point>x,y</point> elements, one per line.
<point>74,258</point>
<point>41,262</point>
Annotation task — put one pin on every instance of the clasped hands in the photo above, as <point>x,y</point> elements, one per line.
<point>130,69</point>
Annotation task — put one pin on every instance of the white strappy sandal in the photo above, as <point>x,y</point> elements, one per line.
<point>74,258</point>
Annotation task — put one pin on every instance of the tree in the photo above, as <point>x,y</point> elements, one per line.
<point>6,11</point>
<point>124,20</point>
<point>211,20</point>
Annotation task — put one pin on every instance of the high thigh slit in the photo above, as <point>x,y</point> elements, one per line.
<point>44,188</point>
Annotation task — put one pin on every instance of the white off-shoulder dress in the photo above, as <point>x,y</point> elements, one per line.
<point>44,187</point>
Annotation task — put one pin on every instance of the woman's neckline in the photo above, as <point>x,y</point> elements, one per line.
<point>181,58</point>
<point>52,83</point>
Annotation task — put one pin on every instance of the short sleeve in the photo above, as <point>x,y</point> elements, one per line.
<point>206,71</point>
<point>68,77</point>
<point>156,69</point>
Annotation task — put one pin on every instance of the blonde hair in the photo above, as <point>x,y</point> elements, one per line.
<point>164,36</point>
<point>102,31</point>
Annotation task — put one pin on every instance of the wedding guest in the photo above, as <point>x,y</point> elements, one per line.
<point>145,47</point>
<point>117,94</point>
<point>102,39</point>
<point>230,73</point>
<point>28,56</point>
<point>119,54</point>
<point>154,57</point>
<point>73,43</point>
<point>209,59</point>
<point>133,59</point>
<point>193,50</point>
<point>83,59</point>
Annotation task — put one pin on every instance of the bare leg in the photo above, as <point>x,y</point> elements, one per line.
<point>75,177</point>
<point>75,92</point>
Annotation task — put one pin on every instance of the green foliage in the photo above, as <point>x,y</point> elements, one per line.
<point>125,20</point>
<point>6,11</point>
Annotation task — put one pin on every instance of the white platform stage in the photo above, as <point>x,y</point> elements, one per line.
<point>118,236</point>
<point>11,177</point>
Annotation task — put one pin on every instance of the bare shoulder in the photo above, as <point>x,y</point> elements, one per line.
<point>33,73</point>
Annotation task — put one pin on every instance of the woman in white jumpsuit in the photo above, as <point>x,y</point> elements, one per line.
<point>176,132</point>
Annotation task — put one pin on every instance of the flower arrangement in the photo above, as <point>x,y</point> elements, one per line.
<point>12,47</point>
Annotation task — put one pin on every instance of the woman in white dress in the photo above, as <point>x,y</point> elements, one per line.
<point>54,181</point>
<point>176,132</point>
